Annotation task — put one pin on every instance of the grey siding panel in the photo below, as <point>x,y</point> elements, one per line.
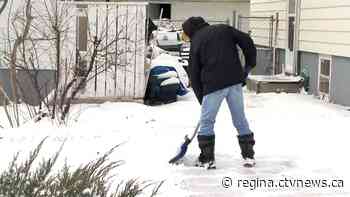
<point>6,84</point>
<point>340,80</point>
<point>26,86</point>
<point>280,60</point>
<point>45,83</point>
<point>309,65</point>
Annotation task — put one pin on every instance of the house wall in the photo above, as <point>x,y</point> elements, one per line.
<point>31,94</point>
<point>324,27</point>
<point>43,67</point>
<point>28,93</point>
<point>214,10</point>
<point>121,75</point>
<point>4,25</point>
<point>340,91</point>
<point>340,69</point>
<point>260,28</point>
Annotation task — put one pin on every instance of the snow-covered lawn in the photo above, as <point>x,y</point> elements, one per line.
<point>298,137</point>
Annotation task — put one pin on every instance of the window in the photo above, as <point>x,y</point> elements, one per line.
<point>166,10</point>
<point>83,23</point>
<point>325,67</point>
<point>82,40</point>
<point>324,75</point>
<point>82,31</point>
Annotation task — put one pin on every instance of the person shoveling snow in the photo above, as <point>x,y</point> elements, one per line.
<point>216,74</point>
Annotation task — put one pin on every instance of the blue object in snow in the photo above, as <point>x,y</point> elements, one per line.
<point>158,70</point>
<point>183,148</point>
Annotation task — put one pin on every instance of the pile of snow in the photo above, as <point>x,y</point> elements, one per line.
<point>275,78</point>
<point>172,61</point>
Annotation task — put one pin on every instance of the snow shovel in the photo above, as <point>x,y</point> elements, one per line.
<point>183,148</point>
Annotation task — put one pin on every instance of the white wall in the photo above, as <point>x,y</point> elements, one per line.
<point>220,10</point>
<point>325,27</point>
<point>124,77</point>
<point>260,28</point>
<point>15,9</point>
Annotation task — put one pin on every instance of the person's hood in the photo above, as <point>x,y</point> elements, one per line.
<point>192,25</point>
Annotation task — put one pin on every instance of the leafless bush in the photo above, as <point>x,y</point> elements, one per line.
<point>41,35</point>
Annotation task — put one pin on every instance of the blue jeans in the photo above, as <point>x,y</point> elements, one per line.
<point>210,107</point>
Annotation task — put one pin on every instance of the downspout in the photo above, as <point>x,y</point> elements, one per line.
<point>297,36</point>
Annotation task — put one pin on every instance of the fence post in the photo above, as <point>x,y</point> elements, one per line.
<point>239,18</point>
<point>234,19</point>
<point>275,44</point>
<point>271,31</point>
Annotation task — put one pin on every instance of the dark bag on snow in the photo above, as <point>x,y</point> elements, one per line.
<point>163,86</point>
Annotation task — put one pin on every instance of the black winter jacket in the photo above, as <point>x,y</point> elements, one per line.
<point>214,59</point>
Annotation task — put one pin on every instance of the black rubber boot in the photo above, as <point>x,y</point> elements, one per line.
<point>246,143</point>
<point>207,155</point>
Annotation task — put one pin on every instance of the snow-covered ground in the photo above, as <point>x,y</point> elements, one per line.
<point>298,137</point>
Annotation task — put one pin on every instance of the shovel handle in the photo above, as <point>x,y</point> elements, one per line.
<point>195,131</point>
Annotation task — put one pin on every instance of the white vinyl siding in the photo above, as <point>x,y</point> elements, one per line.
<point>209,10</point>
<point>260,28</point>
<point>324,27</point>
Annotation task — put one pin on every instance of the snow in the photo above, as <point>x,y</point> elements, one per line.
<point>172,61</point>
<point>276,78</point>
<point>298,137</point>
